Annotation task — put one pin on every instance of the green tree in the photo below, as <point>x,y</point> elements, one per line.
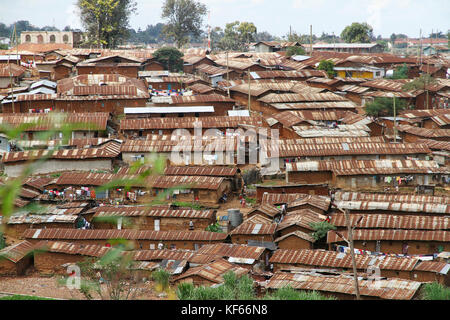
<point>184,19</point>
<point>401,72</point>
<point>170,57</point>
<point>435,291</point>
<point>106,21</point>
<point>293,51</point>
<point>357,33</point>
<point>328,66</point>
<point>161,277</point>
<point>214,228</point>
<point>237,36</point>
<point>321,229</point>
<point>382,106</point>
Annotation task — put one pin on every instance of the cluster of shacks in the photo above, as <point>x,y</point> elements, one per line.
<point>265,132</point>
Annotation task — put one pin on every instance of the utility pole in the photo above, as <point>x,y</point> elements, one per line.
<point>310,40</point>
<point>352,252</point>
<point>249,100</point>
<point>395,123</point>
<point>228,78</point>
<point>420,47</point>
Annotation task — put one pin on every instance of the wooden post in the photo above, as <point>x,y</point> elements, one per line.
<point>249,100</point>
<point>352,252</point>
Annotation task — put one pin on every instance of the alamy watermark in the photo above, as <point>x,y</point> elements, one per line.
<point>74,279</point>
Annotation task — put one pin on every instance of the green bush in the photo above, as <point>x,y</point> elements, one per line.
<point>435,291</point>
<point>23,297</point>
<point>288,293</point>
<point>321,229</point>
<point>214,228</point>
<point>161,277</point>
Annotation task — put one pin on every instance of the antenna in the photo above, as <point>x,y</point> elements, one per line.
<point>209,30</point>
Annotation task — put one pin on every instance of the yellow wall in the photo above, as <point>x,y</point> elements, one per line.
<point>357,74</point>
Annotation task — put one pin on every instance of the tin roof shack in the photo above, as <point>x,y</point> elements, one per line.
<point>266,210</point>
<point>100,158</point>
<point>167,126</point>
<point>169,83</point>
<point>115,64</point>
<point>141,239</point>
<point>316,203</point>
<point>290,153</point>
<point>295,240</point>
<point>100,93</point>
<point>209,274</point>
<point>221,104</point>
<point>162,112</point>
<point>429,119</point>
<point>274,103</point>
<point>199,189</point>
<point>395,241</point>
<point>283,192</point>
<point>6,70</point>
<point>148,218</point>
<point>83,125</point>
<point>365,174</point>
<point>412,134</point>
<point>349,47</point>
<point>249,257</point>
<point>255,228</point>
<point>212,74</point>
<point>299,220</point>
<point>342,286</point>
<point>50,217</point>
<point>52,257</point>
<point>191,62</point>
<point>163,256</point>
<point>16,259</point>
<point>390,197</point>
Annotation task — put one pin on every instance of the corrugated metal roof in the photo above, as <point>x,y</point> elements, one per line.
<point>173,254</point>
<point>350,148</point>
<point>227,250</point>
<point>395,206</point>
<point>392,235</point>
<point>192,182</point>
<point>299,234</point>
<point>17,251</point>
<point>395,197</point>
<point>252,228</point>
<point>106,234</point>
<point>214,171</point>
<point>332,259</point>
<point>213,271</point>
<point>296,97</point>
<point>388,221</point>
<point>279,198</point>
<point>302,218</point>
<point>394,289</point>
<point>91,250</point>
<point>423,132</point>
<point>433,266</point>
<point>435,145</point>
<point>137,211</point>
<point>365,167</point>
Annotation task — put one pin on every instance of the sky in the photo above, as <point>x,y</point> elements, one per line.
<point>274,16</point>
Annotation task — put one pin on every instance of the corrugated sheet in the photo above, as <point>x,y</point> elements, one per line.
<point>192,182</point>
<point>189,122</point>
<point>423,132</point>
<point>332,259</point>
<point>213,271</point>
<point>138,211</point>
<point>436,208</point>
<point>435,145</point>
<point>350,149</point>
<point>302,218</point>
<point>433,266</point>
<point>214,171</point>
<point>394,197</point>
<point>314,105</point>
<point>105,234</point>
<point>279,198</point>
<point>385,221</point>
<point>17,251</point>
<point>232,250</point>
<point>291,97</point>
<point>251,228</point>
<point>366,167</point>
<point>174,254</point>
<point>299,234</point>
<point>321,202</point>
<point>393,289</point>
<point>91,250</point>
<point>392,235</point>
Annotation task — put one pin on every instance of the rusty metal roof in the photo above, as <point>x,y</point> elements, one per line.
<point>334,259</point>
<point>435,145</point>
<point>395,197</point>
<point>385,221</point>
<point>429,208</point>
<point>321,202</point>
<point>84,178</point>
<point>54,120</point>
<point>232,250</point>
<point>287,74</point>
<point>423,132</point>
<point>109,150</point>
<point>433,266</point>
<point>392,235</point>
<point>11,69</point>
<point>210,70</point>
<point>297,233</point>
<point>296,97</point>
<point>105,234</point>
<point>366,167</point>
<point>394,289</point>
<point>173,254</point>
<point>201,99</point>
<point>279,198</point>
<point>17,251</point>
<point>314,105</point>
<point>302,218</point>
<point>213,271</point>
<point>189,122</point>
<point>137,211</point>
<point>192,182</point>
<point>268,209</point>
<point>250,227</point>
<point>91,250</point>
<point>349,148</point>
<point>201,88</point>
<point>214,171</point>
